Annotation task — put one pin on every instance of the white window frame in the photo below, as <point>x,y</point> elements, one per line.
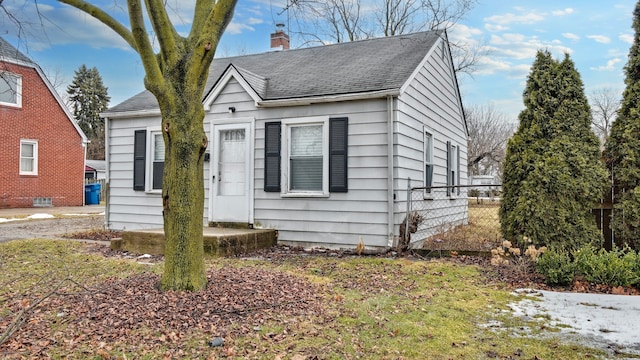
<point>152,132</point>
<point>34,144</point>
<point>285,151</point>
<point>428,160</point>
<point>454,171</point>
<point>4,75</point>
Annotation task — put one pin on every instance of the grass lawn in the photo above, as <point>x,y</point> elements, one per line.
<point>273,307</point>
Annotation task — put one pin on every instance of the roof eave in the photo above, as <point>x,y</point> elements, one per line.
<point>327,98</point>
<point>130,114</point>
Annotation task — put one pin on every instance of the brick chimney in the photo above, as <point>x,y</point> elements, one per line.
<point>280,39</point>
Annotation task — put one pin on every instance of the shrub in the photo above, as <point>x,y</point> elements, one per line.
<point>474,193</point>
<point>618,267</point>
<point>556,267</point>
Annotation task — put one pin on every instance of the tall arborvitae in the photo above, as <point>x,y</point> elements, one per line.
<point>622,149</point>
<point>89,98</point>
<point>552,174</point>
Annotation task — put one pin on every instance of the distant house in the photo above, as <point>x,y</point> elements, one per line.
<point>318,143</point>
<point>95,169</point>
<point>42,150</point>
<point>485,184</point>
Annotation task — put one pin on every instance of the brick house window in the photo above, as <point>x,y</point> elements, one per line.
<point>10,89</point>
<point>28,157</point>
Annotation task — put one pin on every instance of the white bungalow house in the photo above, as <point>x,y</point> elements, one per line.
<point>318,143</point>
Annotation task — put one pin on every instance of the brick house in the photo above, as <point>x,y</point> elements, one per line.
<point>42,150</point>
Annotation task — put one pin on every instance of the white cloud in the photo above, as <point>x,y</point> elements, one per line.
<point>610,65</point>
<point>495,28</point>
<point>236,28</point>
<point>255,21</point>
<point>628,38</point>
<point>509,18</point>
<point>599,39</point>
<point>566,11</point>
<point>461,32</point>
<point>571,36</point>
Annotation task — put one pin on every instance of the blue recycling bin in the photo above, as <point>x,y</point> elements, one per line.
<point>92,194</point>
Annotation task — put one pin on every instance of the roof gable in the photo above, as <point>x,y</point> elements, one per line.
<point>10,54</point>
<point>253,84</point>
<point>356,67</point>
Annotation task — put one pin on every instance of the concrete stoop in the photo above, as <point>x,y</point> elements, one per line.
<point>217,241</point>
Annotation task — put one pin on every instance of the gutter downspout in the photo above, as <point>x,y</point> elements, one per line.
<point>85,145</point>
<point>107,174</point>
<point>390,189</point>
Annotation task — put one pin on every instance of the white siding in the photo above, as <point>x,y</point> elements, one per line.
<point>130,209</point>
<point>430,100</point>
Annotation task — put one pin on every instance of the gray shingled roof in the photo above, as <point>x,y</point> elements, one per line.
<point>9,52</point>
<point>345,68</point>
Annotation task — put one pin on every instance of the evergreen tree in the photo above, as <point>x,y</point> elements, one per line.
<point>89,98</point>
<point>552,173</point>
<point>622,149</point>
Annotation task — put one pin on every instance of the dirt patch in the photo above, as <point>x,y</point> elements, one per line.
<point>49,228</point>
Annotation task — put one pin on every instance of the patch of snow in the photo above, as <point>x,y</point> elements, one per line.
<point>615,319</point>
<point>144,256</point>
<point>40,216</point>
<point>3,220</point>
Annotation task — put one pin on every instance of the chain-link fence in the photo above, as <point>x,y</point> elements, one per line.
<point>452,218</point>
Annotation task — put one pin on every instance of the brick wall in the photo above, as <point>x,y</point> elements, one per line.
<point>60,151</point>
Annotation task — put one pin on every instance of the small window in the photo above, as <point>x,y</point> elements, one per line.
<point>28,157</point>
<point>306,158</point>
<point>428,161</point>
<point>10,89</point>
<point>453,169</point>
<point>148,160</point>
<point>157,166</point>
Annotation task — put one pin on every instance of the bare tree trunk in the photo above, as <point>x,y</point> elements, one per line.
<point>183,197</point>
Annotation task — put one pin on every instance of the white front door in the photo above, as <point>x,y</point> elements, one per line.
<point>231,196</point>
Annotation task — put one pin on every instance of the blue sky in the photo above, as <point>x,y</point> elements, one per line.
<point>596,34</point>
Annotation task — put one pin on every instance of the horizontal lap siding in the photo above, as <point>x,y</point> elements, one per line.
<point>129,209</point>
<point>342,219</point>
<point>430,100</point>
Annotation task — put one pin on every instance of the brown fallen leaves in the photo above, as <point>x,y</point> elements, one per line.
<point>133,314</point>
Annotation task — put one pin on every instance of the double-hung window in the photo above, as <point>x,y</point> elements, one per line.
<point>453,169</point>
<point>428,162</point>
<point>148,160</point>
<point>28,157</point>
<point>157,156</point>
<point>10,89</point>
<point>306,156</point>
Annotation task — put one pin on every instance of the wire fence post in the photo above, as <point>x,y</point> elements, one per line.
<point>408,215</point>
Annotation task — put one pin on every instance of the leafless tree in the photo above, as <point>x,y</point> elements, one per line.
<point>330,21</point>
<point>489,131</point>
<point>605,103</point>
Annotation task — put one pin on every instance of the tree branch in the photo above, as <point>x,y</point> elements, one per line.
<point>163,29</point>
<point>153,79</point>
<point>104,18</point>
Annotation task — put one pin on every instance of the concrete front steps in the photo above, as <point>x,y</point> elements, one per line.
<point>218,241</point>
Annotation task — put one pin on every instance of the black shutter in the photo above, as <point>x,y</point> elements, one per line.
<point>272,156</point>
<point>338,146</point>
<point>449,177</point>
<point>139,152</point>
